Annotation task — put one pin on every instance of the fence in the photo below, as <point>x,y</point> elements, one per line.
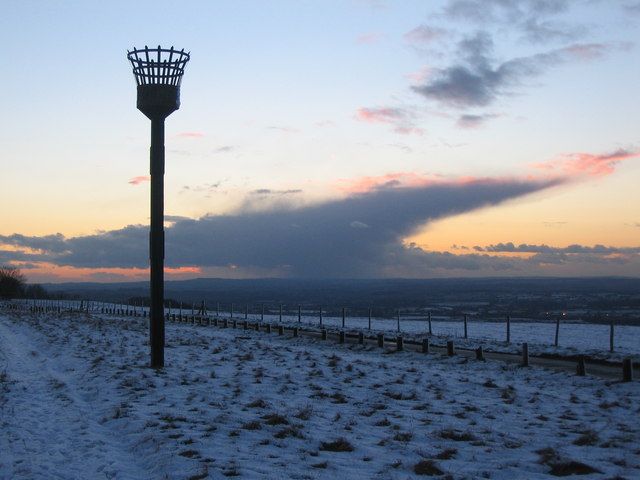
<point>505,329</point>
<point>300,320</point>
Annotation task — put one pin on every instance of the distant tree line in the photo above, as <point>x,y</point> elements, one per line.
<point>13,284</point>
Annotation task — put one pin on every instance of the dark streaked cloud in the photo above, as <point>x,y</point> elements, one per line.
<point>206,188</point>
<point>424,35</point>
<point>475,121</point>
<point>224,149</point>
<point>48,243</point>
<point>536,20</point>
<point>477,79</point>
<point>633,8</point>
<point>509,247</point>
<point>358,236</point>
<point>269,191</point>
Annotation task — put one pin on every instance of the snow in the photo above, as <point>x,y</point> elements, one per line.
<point>77,401</point>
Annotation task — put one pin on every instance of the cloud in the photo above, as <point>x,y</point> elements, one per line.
<point>283,129</point>
<point>224,149</point>
<point>502,11</point>
<point>402,119</point>
<point>476,79</point>
<point>633,8</point>
<point>509,247</point>
<point>382,114</point>
<point>190,135</point>
<point>207,188</point>
<point>424,35</point>
<point>393,179</point>
<point>268,191</point>
<point>369,38</point>
<point>357,224</point>
<point>586,164</point>
<point>535,20</point>
<point>320,240</point>
<point>139,180</point>
<point>475,121</point>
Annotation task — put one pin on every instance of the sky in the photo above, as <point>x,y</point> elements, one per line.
<point>353,139</point>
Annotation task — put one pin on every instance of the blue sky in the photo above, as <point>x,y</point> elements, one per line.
<point>294,105</point>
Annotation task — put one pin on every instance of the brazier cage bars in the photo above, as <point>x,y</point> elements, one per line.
<point>158,66</point>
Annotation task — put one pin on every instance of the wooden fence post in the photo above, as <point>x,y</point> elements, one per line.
<point>369,318</point>
<point>429,318</point>
<point>341,336</point>
<point>280,317</point>
<point>581,369</point>
<point>399,343</point>
<point>320,315</point>
<point>299,314</point>
<point>555,342</point>
<point>323,334</point>
<point>262,314</point>
<point>480,354</point>
<point>425,345</point>
<point>611,336</point>
<point>508,329</point>
<point>268,328</point>
<point>280,329</point>
<point>627,370</point>
<point>381,340</point>
<point>398,316</point>
<point>343,315</point>
<point>450,349</point>
<point>465,326</point>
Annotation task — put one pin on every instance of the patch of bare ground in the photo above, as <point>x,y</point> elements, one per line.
<point>451,434</point>
<point>339,445</point>
<point>427,467</point>
<point>560,467</point>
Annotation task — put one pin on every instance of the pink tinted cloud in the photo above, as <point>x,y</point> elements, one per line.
<point>190,134</point>
<point>401,119</point>
<point>381,115</point>
<point>421,76</point>
<point>139,180</point>
<point>406,180</point>
<point>587,51</point>
<point>586,164</point>
<point>409,130</point>
<point>369,38</point>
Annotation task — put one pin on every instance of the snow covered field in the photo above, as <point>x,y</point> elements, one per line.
<point>76,401</point>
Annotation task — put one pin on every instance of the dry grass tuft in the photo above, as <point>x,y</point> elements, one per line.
<point>339,445</point>
<point>427,467</point>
